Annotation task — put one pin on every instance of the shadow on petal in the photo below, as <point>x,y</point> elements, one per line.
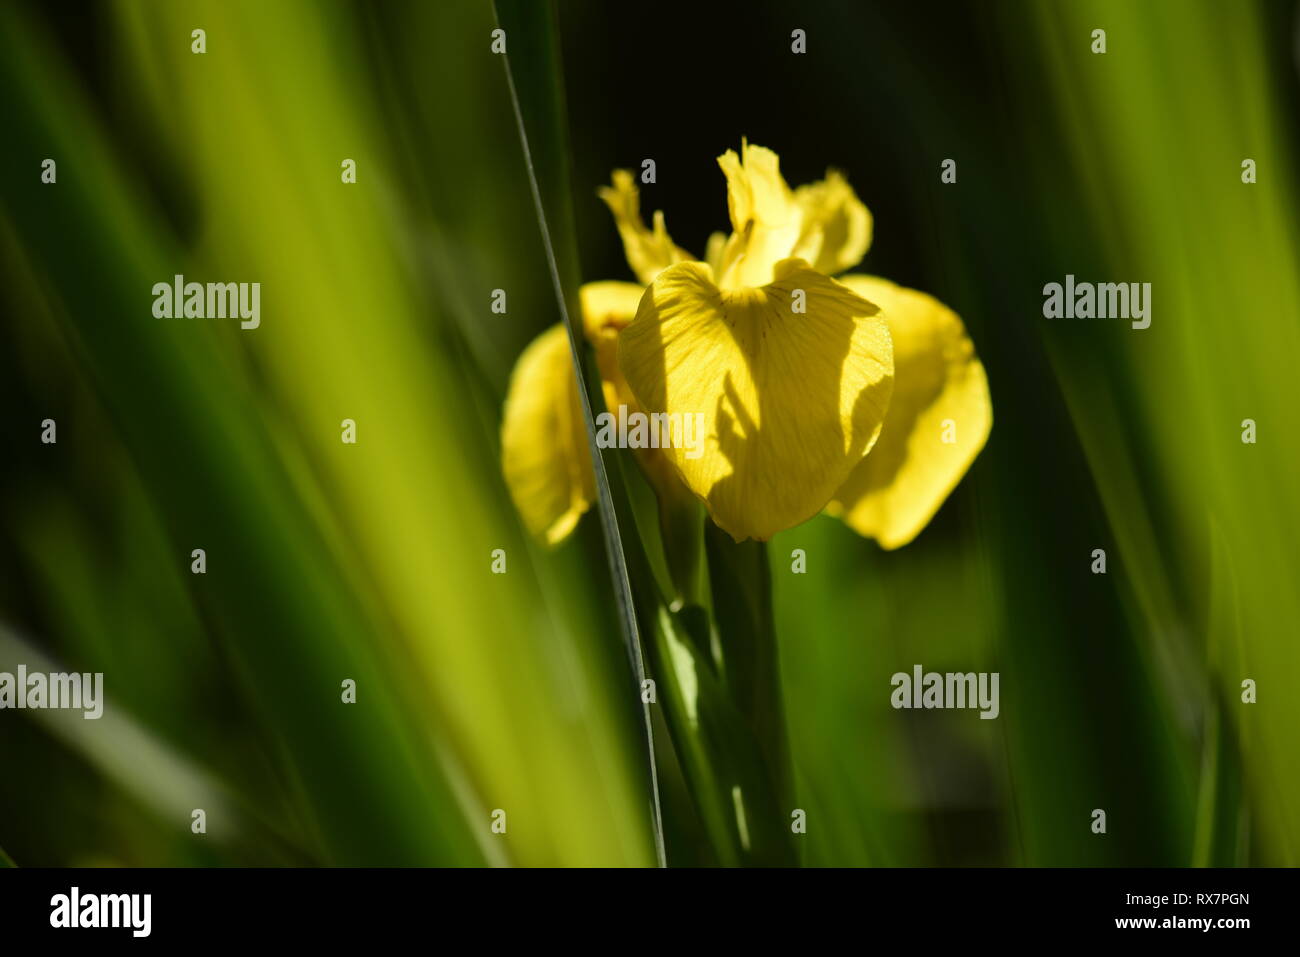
<point>791,400</point>
<point>938,421</point>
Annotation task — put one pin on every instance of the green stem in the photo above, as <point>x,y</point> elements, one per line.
<point>711,648</point>
<point>681,523</point>
<point>695,711</point>
<point>742,605</point>
<point>714,656</point>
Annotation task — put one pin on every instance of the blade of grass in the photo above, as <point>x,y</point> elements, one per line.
<point>536,92</point>
<point>283,582</point>
<point>127,753</point>
<point>1219,803</point>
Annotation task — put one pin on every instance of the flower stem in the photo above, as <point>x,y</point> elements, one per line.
<point>742,606</point>
<point>681,523</point>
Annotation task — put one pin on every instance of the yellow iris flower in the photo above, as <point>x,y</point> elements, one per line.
<point>852,395</point>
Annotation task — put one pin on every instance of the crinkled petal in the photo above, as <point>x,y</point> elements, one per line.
<point>788,401</point>
<point>836,228</point>
<point>937,423</point>
<point>647,250</point>
<point>765,218</point>
<point>544,452</point>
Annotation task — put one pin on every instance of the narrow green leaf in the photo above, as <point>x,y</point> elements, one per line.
<point>1220,812</point>
<point>126,752</point>
<point>537,92</point>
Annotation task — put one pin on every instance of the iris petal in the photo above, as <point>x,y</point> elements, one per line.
<point>607,307</point>
<point>790,401</point>
<point>836,225</point>
<point>937,423</point>
<point>764,216</point>
<point>647,250</point>
<point>544,453</point>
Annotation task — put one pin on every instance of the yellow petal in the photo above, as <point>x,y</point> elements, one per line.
<point>789,402</point>
<point>713,251</point>
<point>608,305</point>
<point>836,230</point>
<point>765,218</point>
<point>938,420</point>
<point>544,452</point>
<point>648,251</point>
